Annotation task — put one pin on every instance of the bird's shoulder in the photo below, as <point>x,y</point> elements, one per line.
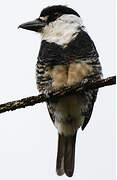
<point>80,47</point>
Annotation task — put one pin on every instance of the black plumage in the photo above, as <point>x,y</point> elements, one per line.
<point>81,47</point>
<point>65,63</point>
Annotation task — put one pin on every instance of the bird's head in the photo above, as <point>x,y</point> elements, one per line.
<point>47,16</point>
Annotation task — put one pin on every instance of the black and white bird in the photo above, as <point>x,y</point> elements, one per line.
<point>67,56</point>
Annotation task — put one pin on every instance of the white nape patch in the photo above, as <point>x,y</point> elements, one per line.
<point>63,30</point>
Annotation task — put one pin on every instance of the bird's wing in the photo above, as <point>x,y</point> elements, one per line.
<point>51,109</point>
<point>89,100</point>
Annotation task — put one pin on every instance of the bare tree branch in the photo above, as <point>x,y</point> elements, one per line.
<point>29,101</point>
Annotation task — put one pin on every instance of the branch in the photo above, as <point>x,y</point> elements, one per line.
<point>29,101</point>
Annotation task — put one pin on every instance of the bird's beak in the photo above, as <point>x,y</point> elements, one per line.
<point>35,25</point>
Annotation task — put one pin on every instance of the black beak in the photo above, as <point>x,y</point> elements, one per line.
<point>35,25</point>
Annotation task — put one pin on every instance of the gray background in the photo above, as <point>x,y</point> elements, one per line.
<point>28,139</point>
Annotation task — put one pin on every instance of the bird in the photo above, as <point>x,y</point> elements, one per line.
<point>67,56</point>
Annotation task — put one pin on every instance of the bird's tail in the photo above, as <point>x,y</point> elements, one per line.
<point>66,155</point>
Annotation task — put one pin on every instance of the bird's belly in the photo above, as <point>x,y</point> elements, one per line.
<point>68,110</point>
<point>68,114</point>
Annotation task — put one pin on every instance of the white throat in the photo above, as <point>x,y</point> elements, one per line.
<point>63,30</point>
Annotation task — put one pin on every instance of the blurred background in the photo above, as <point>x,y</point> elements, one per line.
<point>28,139</point>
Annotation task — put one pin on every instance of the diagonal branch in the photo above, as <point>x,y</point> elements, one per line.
<point>29,101</point>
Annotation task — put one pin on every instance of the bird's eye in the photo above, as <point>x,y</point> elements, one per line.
<point>53,17</point>
<point>56,15</point>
